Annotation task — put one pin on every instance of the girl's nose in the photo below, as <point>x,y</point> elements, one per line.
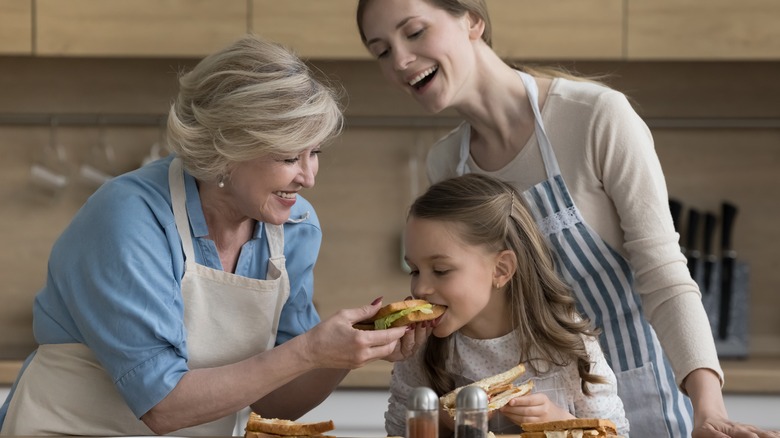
<point>421,289</point>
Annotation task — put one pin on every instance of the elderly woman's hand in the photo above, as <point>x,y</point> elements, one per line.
<point>334,343</point>
<point>412,340</point>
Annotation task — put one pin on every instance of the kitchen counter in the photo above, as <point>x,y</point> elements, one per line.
<point>757,375</point>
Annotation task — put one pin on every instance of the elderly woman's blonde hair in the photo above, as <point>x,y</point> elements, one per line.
<point>251,99</point>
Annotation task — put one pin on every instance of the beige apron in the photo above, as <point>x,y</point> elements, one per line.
<point>65,391</point>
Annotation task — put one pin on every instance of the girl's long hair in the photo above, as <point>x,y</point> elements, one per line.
<point>490,212</point>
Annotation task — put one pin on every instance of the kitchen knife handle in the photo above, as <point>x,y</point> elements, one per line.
<point>692,253</point>
<point>693,231</point>
<point>729,213</point>
<point>726,291</point>
<point>675,207</point>
<point>710,222</point>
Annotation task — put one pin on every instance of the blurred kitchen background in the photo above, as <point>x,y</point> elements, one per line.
<point>85,85</point>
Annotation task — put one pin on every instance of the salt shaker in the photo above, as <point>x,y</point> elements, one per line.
<point>422,414</point>
<point>471,413</point>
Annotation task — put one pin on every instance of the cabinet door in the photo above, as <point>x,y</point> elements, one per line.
<point>16,27</point>
<point>178,28</point>
<point>703,29</point>
<point>560,29</point>
<point>317,29</point>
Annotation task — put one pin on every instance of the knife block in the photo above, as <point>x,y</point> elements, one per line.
<point>736,343</point>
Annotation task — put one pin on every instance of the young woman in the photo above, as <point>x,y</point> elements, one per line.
<point>586,162</point>
<point>473,246</point>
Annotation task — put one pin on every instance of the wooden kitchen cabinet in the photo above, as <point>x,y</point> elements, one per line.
<point>703,30</point>
<point>561,29</point>
<point>315,29</point>
<point>536,29</point>
<point>16,27</point>
<point>138,28</point>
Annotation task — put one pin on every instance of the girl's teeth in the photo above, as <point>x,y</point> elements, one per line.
<point>422,75</point>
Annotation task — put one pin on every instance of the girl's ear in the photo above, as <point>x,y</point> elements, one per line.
<point>476,26</point>
<point>506,265</point>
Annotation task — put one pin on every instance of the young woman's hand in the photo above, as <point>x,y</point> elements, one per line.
<point>534,408</point>
<point>723,427</point>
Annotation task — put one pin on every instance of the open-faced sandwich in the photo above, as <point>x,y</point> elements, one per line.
<point>574,428</point>
<point>500,390</point>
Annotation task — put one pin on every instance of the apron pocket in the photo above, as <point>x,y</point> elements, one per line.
<point>642,400</point>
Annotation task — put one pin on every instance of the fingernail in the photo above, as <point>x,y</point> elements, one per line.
<point>409,328</point>
<point>376,301</point>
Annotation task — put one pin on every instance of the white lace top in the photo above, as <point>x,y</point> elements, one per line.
<point>474,359</point>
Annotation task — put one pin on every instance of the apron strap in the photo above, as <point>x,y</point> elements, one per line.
<point>550,162</point>
<point>548,155</point>
<point>275,236</point>
<point>465,142</point>
<point>178,202</point>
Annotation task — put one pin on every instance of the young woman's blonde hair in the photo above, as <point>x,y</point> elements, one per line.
<point>478,8</point>
<point>488,212</point>
<point>253,98</point>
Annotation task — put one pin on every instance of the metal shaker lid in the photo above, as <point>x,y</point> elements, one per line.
<point>423,399</point>
<point>471,397</point>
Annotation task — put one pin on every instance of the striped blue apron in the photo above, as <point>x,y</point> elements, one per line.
<point>603,282</point>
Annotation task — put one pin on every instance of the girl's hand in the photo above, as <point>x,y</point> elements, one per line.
<point>534,408</point>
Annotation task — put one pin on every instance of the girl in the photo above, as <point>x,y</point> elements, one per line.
<point>472,245</point>
<point>587,163</point>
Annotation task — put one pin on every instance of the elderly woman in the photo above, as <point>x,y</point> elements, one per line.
<point>182,291</point>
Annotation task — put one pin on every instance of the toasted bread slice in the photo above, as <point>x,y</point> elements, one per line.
<point>436,310</point>
<point>494,386</point>
<point>586,433</point>
<point>500,400</point>
<point>575,423</point>
<point>397,307</point>
<point>277,426</point>
<point>270,435</point>
<point>585,427</point>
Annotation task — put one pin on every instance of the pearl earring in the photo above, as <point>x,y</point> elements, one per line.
<point>221,183</point>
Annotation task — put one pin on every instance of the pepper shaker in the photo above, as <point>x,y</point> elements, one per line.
<point>422,414</point>
<point>471,413</point>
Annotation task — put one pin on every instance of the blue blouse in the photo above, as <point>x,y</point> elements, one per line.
<point>114,281</point>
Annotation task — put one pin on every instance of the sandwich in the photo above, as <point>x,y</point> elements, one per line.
<point>574,428</point>
<point>500,390</point>
<point>259,427</point>
<point>402,313</point>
